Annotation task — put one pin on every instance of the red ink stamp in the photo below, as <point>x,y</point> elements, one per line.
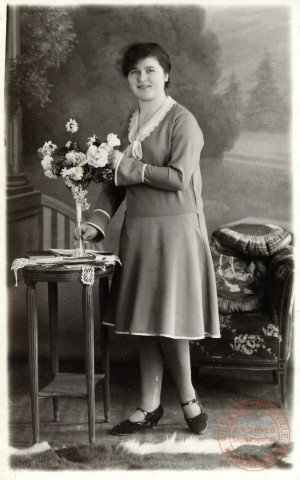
<point>254,435</point>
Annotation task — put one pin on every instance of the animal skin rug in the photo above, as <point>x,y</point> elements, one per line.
<point>191,444</point>
<point>173,453</point>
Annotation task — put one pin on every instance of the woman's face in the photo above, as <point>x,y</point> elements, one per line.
<point>147,79</point>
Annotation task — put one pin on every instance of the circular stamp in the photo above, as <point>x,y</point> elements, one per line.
<point>254,434</point>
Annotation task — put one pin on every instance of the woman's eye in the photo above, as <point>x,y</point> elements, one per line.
<point>150,70</point>
<point>133,72</point>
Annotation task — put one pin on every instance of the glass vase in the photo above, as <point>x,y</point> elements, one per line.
<point>79,250</point>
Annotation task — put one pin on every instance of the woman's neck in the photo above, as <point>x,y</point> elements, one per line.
<point>147,109</point>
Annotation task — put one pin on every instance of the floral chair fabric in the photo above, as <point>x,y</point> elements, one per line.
<point>243,335</point>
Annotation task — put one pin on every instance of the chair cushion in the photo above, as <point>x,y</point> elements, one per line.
<point>251,336</point>
<point>254,239</point>
<point>241,281</point>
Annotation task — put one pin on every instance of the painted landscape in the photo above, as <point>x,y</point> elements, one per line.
<point>254,176</point>
<point>245,35</point>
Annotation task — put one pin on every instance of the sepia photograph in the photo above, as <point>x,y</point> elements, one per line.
<point>150,237</point>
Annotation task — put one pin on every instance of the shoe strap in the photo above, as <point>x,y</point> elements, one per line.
<point>190,402</point>
<point>143,411</point>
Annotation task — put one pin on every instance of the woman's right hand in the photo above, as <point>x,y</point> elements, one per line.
<point>86,231</point>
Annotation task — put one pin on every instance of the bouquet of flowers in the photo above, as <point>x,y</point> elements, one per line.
<point>79,168</point>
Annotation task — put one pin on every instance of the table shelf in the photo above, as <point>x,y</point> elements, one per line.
<point>68,385</point>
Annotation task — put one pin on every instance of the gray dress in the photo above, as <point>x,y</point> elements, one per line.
<point>166,285</point>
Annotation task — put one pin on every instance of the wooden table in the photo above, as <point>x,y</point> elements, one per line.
<point>66,384</point>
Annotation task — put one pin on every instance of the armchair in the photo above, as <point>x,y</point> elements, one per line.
<point>261,339</point>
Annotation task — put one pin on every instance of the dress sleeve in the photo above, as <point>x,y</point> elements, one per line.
<point>186,146</point>
<point>107,204</point>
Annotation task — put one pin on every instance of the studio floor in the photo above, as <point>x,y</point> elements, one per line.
<point>217,389</point>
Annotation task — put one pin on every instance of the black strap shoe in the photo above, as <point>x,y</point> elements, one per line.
<point>128,428</point>
<point>197,424</point>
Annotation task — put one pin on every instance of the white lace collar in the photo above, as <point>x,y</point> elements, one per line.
<point>136,137</point>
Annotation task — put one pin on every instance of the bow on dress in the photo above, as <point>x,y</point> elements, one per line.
<point>136,136</point>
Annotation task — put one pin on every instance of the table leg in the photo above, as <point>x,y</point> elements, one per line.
<point>53,324</point>
<point>33,358</point>
<point>88,317</point>
<point>103,296</point>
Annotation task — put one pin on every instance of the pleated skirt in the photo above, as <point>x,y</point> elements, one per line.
<point>166,285</point>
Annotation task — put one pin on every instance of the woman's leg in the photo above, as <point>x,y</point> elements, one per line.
<point>151,368</point>
<point>177,357</point>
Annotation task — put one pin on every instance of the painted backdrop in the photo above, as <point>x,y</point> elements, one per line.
<point>254,176</point>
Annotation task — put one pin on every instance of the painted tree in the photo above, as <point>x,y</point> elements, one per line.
<point>89,87</point>
<point>232,93</point>
<point>47,39</point>
<point>224,125</point>
<point>266,109</point>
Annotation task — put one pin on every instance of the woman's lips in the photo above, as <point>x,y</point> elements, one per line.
<point>143,87</point>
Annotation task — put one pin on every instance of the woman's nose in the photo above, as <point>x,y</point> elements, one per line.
<point>142,76</point>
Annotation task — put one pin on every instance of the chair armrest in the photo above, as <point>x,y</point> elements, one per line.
<point>281,294</point>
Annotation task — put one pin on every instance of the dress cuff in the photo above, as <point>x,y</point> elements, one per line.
<point>143,173</point>
<point>103,211</point>
<point>116,170</point>
<point>99,219</point>
<point>128,172</point>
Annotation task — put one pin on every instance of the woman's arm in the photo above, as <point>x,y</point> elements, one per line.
<point>186,146</point>
<point>107,204</point>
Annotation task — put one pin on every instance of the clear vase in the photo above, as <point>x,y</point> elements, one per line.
<point>79,250</point>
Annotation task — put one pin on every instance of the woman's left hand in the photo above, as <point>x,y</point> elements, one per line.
<point>114,158</point>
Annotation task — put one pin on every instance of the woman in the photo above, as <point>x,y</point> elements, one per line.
<point>165,292</point>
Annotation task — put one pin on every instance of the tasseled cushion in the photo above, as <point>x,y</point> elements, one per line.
<point>259,240</point>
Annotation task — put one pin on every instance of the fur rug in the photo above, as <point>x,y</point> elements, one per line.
<point>188,454</point>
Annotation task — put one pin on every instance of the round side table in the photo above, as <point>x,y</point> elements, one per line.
<point>66,384</point>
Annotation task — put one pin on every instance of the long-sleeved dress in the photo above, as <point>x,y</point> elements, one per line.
<point>166,285</point>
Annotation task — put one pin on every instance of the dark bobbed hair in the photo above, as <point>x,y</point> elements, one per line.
<point>138,51</point>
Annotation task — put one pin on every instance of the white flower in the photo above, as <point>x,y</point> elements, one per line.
<point>78,173</point>
<point>68,144</point>
<point>46,162</point>
<point>75,158</point>
<point>72,126</point>
<point>74,173</point>
<point>71,157</point>
<point>47,149</point>
<point>81,158</point>
<point>113,140</point>
<point>91,140</point>
<point>96,157</point>
<point>49,174</point>
<point>67,172</point>
<point>108,148</point>
<point>92,150</point>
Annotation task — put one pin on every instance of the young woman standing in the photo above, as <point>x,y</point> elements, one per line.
<point>165,292</point>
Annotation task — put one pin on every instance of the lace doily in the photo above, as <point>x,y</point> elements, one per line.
<point>88,274</point>
<point>20,263</point>
<point>88,271</point>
